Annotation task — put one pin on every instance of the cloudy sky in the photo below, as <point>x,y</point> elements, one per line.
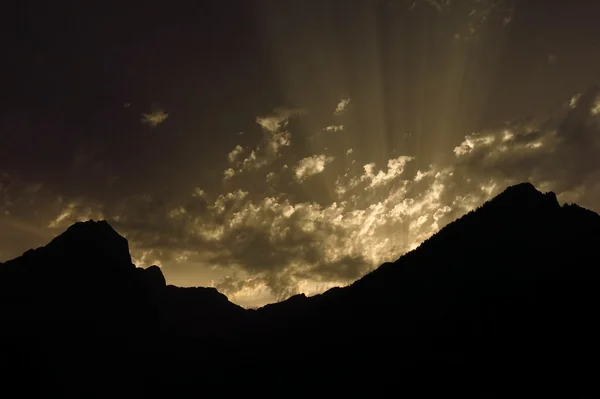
<point>272,147</point>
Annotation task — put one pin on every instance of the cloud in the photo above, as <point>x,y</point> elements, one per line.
<point>235,153</point>
<point>342,106</point>
<point>311,166</point>
<point>277,141</point>
<point>334,128</point>
<point>273,124</point>
<point>155,118</point>
<point>369,180</point>
<point>395,169</point>
<point>274,140</point>
<point>282,242</point>
<point>236,285</point>
<point>253,162</point>
<point>278,119</point>
<point>228,173</point>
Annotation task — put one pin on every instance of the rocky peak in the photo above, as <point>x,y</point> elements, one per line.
<point>94,242</point>
<point>524,196</point>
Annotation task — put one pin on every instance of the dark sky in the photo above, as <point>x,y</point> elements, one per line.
<point>373,124</point>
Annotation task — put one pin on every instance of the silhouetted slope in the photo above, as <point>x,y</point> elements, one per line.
<point>504,296</point>
<point>80,298</point>
<point>90,265</point>
<point>515,279</point>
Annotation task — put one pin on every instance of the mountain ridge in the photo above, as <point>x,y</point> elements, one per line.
<point>522,195</point>
<point>485,297</point>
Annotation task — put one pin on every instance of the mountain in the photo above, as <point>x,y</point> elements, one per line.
<point>80,299</point>
<point>503,298</point>
<point>87,271</point>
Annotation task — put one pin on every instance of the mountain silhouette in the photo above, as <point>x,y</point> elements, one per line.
<point>500,301</point>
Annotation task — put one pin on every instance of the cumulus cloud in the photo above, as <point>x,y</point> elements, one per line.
<point>274,140</point>
<point>228,173</point>
<point>311,166</point>
<point>235,153</point>
<point>342,106</point>
<point>277,141</point>
<point>253,161</point>
<point>369,180</point>
<point>395,169</point>
<point>155,118</point>
<point>278,119</point>
<point>334,128</point>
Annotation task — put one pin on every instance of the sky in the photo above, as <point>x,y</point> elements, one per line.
<point>269,148</point>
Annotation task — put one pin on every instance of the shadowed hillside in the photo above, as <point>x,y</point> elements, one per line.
<point>504,298</point>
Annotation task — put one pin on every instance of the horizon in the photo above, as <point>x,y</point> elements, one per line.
<point>256,307</point>
<point>239,148</point>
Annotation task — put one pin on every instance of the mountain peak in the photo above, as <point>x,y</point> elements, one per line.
<point>525,196</point>
<point>91,226</point>
<point>92,241</point>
